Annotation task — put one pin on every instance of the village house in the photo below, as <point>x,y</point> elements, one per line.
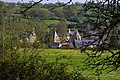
<point>74,40</point>
<point>28,38</point>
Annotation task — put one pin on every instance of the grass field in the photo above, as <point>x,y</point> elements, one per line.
<point>77,58</point>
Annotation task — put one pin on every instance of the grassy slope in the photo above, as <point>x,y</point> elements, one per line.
<point>54,22</point>
<point>49,22</point>
<point>77,59</point>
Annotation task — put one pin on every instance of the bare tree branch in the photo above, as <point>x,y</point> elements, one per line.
<point>28,7</point>
<point>35,3</point>
<point>108,17</point>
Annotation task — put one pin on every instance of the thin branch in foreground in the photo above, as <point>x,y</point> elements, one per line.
<point>62,4</point>
<point>35,3</point>
<point>27,8</point>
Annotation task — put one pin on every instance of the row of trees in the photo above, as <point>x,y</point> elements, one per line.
<point>52,11</point>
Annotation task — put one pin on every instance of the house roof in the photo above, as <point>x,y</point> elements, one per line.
<point>87,41</point>
<point>54,45</point>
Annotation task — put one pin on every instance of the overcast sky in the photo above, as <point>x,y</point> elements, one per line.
<point>45,1</point>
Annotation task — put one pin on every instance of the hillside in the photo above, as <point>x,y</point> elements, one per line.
<point>44,19</point>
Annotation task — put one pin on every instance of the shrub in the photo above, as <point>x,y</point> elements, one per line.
<point>18,63</point>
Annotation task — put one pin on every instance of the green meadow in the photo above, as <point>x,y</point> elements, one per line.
<point>73,56</point>
<point>77,58</point>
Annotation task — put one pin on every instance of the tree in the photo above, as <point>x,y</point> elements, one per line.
<point>106,24</point>
<point>3,11</point>
<point>30,5</point>
<point>70,11</point>
<point>38,13</point>
<point>62,30</point>
<point>58,13</point>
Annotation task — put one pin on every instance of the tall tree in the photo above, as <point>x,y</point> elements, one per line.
<point>58,13</point>
<point>70,11</point>
<point>62,30</point>
<point>40,13</point>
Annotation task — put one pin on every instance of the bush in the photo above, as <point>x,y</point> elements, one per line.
<point>27,64</point>
<point>35,67</point>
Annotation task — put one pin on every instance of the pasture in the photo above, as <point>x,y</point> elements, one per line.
<point>76,57</point>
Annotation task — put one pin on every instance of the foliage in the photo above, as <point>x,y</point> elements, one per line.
<point>43,12</point>
<point>58,13</point>
<point>78,58</point>
<point>104,17</point>
<point>27,64</point>
<point>70,12</point>
<point>38,13</point>
<point>20,60</point>
<point>106,25</point>
<point>62,29</point>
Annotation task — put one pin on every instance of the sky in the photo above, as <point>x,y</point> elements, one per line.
<point>45,1</point>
